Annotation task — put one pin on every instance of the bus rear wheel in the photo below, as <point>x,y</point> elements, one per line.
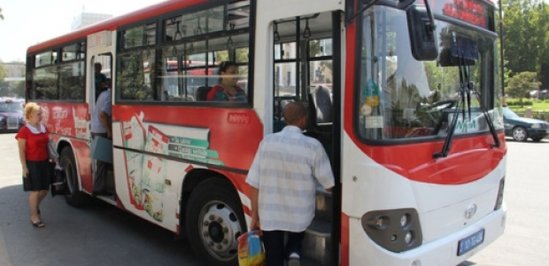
<point>74,196</point>
<point>214,221</point>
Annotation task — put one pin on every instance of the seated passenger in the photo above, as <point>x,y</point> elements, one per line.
<point>227,90</point>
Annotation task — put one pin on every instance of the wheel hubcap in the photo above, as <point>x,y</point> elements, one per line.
<point>219,229</point>
<point>519,134</point>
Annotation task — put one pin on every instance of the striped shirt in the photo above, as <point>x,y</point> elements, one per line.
<point>102,105</point>
<point>285,170</point>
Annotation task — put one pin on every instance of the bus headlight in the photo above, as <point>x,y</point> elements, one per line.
<point>404,220</point>
<point>395,230</point>
<point>409,237</point>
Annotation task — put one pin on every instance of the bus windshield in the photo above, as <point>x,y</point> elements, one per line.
<point>402,98</point>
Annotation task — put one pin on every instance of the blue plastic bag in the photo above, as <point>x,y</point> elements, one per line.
<point>251,251</point>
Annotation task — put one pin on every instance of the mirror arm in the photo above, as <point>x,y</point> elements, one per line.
<point>431,26</point>
<point>350,20</point>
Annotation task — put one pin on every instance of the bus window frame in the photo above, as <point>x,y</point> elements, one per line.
<point>161,43</point>
<point>53,60</point>
<point>57,63</point>
<point>77,58</point>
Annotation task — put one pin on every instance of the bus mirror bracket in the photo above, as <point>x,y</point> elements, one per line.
<point>403,4</point>
<point>422,32</point>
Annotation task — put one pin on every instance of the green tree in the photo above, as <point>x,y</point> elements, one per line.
<point>2,72</point>
<point>18,90</point>
<point>3,83</point>
<point>521,83</point>
<point>1,16</point>
<point>526,37</point>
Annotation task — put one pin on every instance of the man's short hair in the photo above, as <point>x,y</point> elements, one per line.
<point>294,111</point>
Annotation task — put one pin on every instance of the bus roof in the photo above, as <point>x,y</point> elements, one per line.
<point>114,23</point>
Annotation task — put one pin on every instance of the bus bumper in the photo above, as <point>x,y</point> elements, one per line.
<point>444,251</point>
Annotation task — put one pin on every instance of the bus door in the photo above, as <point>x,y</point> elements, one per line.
<point>100,73</point>
<point>307,69</point>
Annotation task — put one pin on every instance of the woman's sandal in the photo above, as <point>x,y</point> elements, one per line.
<point>38,224</point>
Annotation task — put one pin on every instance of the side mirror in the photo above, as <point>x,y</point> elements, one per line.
<point>422,38</point>
<point>462,51</point>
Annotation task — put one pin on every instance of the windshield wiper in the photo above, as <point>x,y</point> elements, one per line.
<point>471,88</point>
<point>460,105</point>
<point>465,89</point>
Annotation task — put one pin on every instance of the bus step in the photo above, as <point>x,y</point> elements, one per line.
<point>317,242</point>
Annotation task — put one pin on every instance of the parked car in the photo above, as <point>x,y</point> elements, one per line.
<point>11,114</point>
<point>522,128</point>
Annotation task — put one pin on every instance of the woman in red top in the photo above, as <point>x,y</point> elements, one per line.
<point>227,90</point>
<point>33,152</point>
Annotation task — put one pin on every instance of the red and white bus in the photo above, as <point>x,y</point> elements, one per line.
<point>404,95</point>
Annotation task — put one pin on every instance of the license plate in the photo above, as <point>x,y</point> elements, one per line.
<point>470,242</point>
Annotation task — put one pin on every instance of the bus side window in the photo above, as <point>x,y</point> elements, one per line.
<point>134,80</point>
<point>194,51</point>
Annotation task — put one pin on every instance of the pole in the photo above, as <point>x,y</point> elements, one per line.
<point>502,62</point>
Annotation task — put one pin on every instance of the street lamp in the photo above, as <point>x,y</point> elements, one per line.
<point>502,62</point>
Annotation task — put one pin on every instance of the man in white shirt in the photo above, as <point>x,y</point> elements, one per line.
<point>283,179</point>
<point>101,126</point>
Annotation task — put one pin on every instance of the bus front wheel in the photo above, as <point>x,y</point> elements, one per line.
<point>74,196</point>
<point>214,220</point>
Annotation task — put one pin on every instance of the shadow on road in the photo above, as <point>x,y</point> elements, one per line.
<point>98,234</point>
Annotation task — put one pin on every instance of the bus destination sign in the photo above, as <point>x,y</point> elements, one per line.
<point>471,11</point>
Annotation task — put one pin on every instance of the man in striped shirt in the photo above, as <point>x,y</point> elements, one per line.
<point>283,179</point>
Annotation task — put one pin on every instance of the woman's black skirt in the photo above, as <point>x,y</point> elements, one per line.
<point>40,174</point>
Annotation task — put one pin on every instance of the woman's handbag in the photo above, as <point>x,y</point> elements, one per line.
<point>251,251</point>
<point>59,181</point>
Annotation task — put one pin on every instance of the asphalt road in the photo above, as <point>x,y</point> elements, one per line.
<point>98,234</point>
<point>526,238</point>
<point>103,235</point>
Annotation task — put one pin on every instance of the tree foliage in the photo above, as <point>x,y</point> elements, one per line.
<point>18,90</point>
<point>2,72</point>
<point>1,16</point>
<point>526,37</point>
<point>521,84</point>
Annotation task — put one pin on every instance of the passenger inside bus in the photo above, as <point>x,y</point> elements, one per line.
<point>101,129</point>
<point>227,89</point>
<point>99,78</point>
<point>322,100</point>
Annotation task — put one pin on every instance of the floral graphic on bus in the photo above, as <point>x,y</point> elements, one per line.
<point>146,171</point>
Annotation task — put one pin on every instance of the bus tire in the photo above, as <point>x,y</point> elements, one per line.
<point>214,219</point>
<point>73,196</point>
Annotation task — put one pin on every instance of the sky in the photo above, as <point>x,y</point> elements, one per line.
<point>28,22</point>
